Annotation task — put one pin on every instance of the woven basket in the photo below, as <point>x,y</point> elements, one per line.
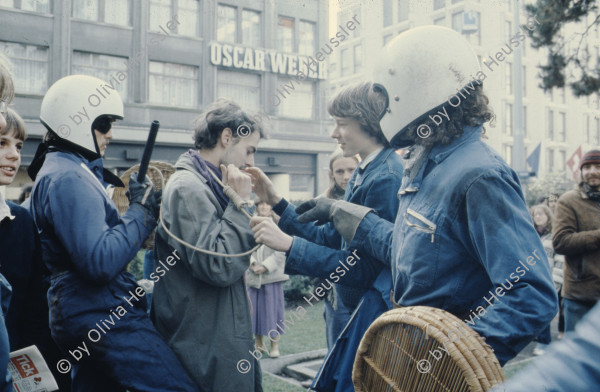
<point>394,354</point>
<point>121,199</point>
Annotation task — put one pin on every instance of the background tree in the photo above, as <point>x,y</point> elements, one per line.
<point>569,59</point>
<point>545,185</point>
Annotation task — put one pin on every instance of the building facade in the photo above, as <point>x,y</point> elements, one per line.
<point>168,59</point>
<point>557,120</point>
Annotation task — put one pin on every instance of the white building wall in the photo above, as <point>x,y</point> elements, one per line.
<point>496,27</point>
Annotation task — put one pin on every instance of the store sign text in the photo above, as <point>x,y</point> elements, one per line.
<point>241,57</point>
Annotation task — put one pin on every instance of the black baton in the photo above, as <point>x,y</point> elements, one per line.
<point>148,151</point>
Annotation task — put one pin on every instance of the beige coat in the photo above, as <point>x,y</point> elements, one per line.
<point>273,261</point>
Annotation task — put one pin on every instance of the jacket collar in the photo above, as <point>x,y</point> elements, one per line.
<point>437,155</point>
<point>5,210</point>
<point>380,158</point>
<point>185,162</point>
<point>441,152</point>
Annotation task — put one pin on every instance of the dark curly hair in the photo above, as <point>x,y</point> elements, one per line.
<point>221,114</point>
<point>363,104</point>
<point>473,110</point>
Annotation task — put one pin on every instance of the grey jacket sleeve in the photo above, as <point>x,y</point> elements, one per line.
<point>191,214</point>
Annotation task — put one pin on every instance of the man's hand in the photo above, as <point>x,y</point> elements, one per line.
<point>144,194</point>
<point>262,186</point>
<point>258,269</point>
<point>318,210</point>
<point>266,232</point>
<point>238,180</point>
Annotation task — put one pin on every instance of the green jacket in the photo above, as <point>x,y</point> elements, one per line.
<point>200,304</point>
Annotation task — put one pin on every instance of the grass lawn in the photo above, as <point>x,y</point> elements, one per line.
<point>273,384</point>
<point>306,334</point>
<point>308,331</point>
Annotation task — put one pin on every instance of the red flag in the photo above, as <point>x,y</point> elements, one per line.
<point>573,164</point>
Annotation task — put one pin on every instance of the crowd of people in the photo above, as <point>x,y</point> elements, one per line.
<point>444,225</point>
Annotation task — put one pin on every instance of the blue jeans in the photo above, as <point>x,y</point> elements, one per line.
<point>575,311</point>
<point>335,321</point>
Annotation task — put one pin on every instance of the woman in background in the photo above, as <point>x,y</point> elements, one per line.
<point>265,279</point>
<point>336,315</point>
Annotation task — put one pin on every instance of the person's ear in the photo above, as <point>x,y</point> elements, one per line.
<point>226,137</point>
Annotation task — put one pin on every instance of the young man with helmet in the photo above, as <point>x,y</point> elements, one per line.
<point>97,314</point>
<point>462,234</point>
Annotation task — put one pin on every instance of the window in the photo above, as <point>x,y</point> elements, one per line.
<point>508,32</point>
<point>508,78</point>
<point>251,28</point>
<point>28,5</point>
<point>173,84</point>
<point>456,1</point>
<point>183,13</point>
<point>348,16</point>
<point>562,126</point>
<point>160,12</point>
<point>437,4</point>
<point>244,88</point>
<point>563,159</point>
<point>102,67</point>
<point>299,102</point>
<point>346,62</point>
<point>550,124</point>
<point>402,10</point>
<point>550,160</point>
<point>187,14</point>
<point>331,70</point>
<point>388,16</point>
<point>457,19</point>
<point>306,39</point>
<point>508,123</point>
<point>30,69</point>
<point>441,21</point>
<point>226,23</point>
<point>508,154</point>
<point>107,11</point>
<point>285,34</point>
<point>358,58</point>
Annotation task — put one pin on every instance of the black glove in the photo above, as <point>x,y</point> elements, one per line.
<point>144,194</point>
<point>315,210</point>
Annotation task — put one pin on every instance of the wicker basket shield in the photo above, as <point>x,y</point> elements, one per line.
<point>421,348</point>
<point>121,199</point>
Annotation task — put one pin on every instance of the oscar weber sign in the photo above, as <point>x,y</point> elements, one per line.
<point>254,59</point>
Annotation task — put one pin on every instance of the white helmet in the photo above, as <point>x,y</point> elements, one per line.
<point>420,69</point>
<point>71,105</point>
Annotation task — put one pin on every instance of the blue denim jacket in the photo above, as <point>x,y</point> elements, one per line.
<point>381,178</point>
<point>463,241</point>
